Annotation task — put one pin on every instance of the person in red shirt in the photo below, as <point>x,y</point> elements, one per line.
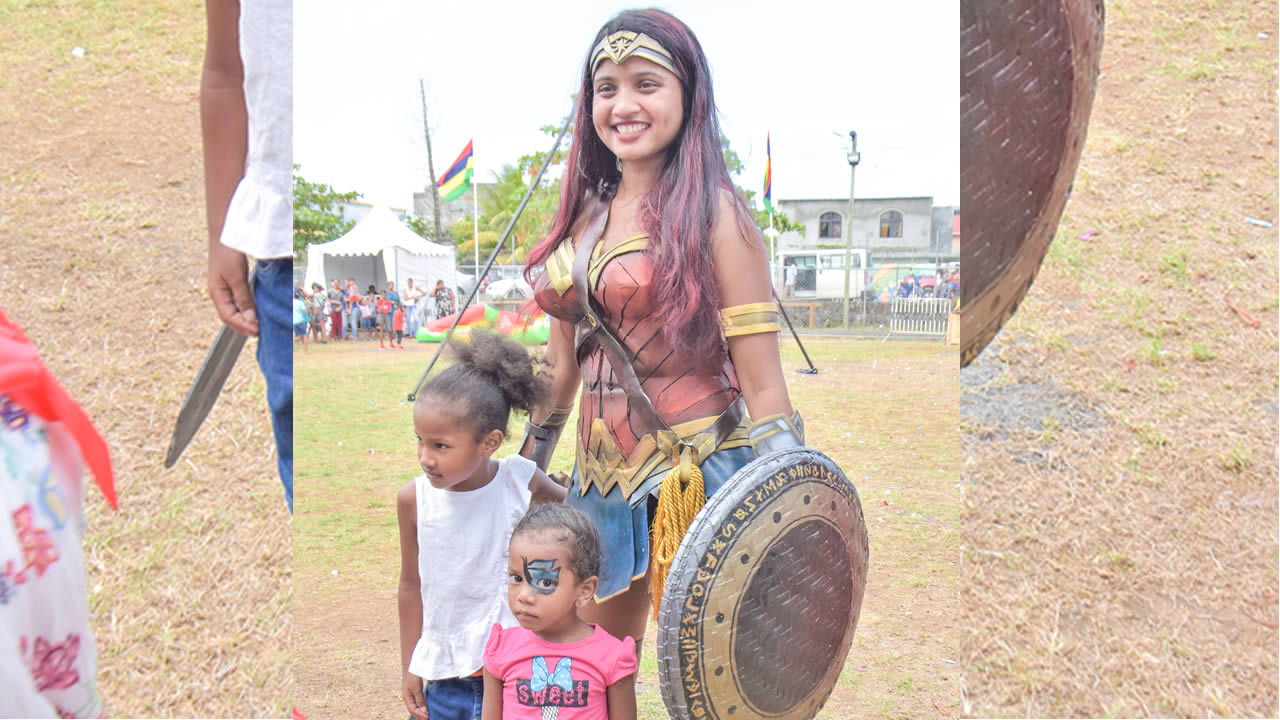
<point>397,324</point>
<point>383,307</point>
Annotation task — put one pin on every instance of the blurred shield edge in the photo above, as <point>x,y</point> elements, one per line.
<point>1028,70</point>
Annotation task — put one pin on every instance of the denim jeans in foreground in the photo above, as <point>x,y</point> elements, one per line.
<point>273,296</point>
<point>455,698</point>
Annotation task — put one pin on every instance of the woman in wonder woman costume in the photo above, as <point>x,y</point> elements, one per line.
<point>657,284</point>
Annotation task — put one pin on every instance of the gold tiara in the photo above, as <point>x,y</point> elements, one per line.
<point>623,44</point>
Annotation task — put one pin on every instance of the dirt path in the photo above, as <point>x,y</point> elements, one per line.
<point>102,262</point>
<point>1120,434</point>
<point>886,413</point>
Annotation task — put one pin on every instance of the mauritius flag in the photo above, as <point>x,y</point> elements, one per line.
<point>768,175</point>
<point>457,180</point>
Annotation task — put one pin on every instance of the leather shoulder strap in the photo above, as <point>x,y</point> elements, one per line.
<point>591,327</point>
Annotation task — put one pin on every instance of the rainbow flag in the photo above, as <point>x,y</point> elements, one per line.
<point>768,175</point>
<point>457,179</point>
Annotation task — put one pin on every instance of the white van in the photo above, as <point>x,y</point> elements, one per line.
<point>820,273</point>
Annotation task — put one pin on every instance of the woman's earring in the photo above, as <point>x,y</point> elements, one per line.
<point>618,162</point>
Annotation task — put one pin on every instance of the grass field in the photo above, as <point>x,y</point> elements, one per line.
<point>886,412</point>
<point>102,261</point>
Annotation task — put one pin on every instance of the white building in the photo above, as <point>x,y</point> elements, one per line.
<point>897,230</point>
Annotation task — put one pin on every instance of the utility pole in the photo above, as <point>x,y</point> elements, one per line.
<point>431,186</point>
<point>854,157</point>
<point>866,273</point>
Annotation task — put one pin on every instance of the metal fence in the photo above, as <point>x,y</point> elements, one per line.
<point>920,316</point>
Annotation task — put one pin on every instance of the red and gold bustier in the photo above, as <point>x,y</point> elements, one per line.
<point>614,445</point>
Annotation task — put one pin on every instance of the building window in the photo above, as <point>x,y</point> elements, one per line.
<point>891,224</point>
<point>829,226</point>
<point>836,262</point>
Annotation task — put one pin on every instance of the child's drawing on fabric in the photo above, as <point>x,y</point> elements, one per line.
<point>551,690</point>
<point>42,571</point>
<point>52,503</point>
<point>53,665</point>
<point>38,550</point>
<point>13,417</point>
<point>13,422</point>
<point>25,447</point>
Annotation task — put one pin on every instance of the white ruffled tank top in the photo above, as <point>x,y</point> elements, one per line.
<point>259,219</point>
<point>462,564</point>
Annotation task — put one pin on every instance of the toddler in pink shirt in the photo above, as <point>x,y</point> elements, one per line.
<point>555,662</point>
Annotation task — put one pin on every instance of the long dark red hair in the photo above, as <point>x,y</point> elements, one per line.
<point>680,209</point>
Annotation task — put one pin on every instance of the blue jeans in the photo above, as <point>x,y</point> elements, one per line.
<point>454,698</point>
<point>624,528</point>
<point>410,321</point>
<point>273,296</point>
<point>351,322</point>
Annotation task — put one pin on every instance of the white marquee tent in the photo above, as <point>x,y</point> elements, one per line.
<point>378,249</point>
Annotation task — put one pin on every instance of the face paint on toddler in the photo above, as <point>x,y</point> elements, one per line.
<point>542,575</point>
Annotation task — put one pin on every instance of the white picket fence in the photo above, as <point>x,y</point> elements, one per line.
<point>920,316</point>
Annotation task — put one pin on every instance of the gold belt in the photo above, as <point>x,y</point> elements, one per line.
<point>602,464</point>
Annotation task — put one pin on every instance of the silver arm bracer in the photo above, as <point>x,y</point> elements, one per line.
<point>776,432</point>
<point>545,435</point>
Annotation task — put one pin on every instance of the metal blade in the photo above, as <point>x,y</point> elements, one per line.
<point>205,390</point>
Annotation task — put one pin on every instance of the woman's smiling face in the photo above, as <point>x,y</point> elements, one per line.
<point>637,108</point>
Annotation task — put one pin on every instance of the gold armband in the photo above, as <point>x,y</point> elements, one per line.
<point>559,267</point>
<point>749,319</point>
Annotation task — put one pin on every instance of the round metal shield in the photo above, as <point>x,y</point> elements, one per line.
<point>764,593</point>
<point>1028,69</point>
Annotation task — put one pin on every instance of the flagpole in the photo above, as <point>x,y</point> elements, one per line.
<point>768,206</point>
<point>475,216</point>
<point>773,247</point>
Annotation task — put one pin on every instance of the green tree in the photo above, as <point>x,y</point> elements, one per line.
<point>317,217</point>
<point>465,252</point>
<point>423,227</point>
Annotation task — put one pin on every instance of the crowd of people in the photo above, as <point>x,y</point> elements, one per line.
<point>343,312</point>
<point>941,285</point>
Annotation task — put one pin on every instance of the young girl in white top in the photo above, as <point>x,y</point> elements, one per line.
<point>456,520</point>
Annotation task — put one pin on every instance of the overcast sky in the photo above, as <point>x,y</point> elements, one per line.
<point>807,71</point>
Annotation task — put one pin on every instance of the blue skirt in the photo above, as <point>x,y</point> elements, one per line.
<point>622,526</point>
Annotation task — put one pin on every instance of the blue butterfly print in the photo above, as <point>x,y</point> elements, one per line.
<point>560,677</point>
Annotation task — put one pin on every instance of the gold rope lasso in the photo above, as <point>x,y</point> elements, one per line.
<point>681,497</point>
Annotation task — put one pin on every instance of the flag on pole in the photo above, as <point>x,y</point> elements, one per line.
<point>457,179</point>
<point>768,176</point>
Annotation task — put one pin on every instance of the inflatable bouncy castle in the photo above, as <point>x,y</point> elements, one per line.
<point>523,329</point>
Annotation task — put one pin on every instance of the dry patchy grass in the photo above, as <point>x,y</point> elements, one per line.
<point>101,210</point>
